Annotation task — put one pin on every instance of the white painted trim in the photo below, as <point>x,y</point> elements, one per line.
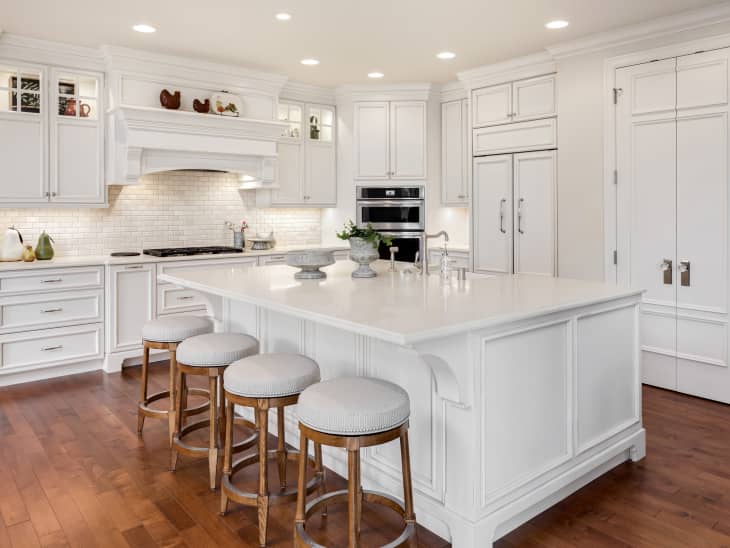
<point>610,221</point>
<point>536,64</point>
<point>24,48</point>
<point>453,91</point>
<point>307,93</point>
<point>385,92</point>
<point>647,30</point>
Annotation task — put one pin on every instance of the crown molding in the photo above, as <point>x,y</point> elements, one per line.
<point>655,28</point>
<point>385,92</point>
<point>205,74</point>
<point>308,93</point>
<point>527,66</point>
<point>34,50</point>
<point>453,91</point>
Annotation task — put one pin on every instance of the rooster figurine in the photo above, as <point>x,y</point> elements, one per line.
<point>203,107</point>
<point>169,100</point>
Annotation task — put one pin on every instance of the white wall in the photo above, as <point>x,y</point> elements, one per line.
<point>581,92</point>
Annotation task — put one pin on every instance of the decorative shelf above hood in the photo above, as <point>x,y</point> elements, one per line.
<point>143,140</point>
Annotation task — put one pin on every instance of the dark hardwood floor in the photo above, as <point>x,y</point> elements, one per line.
<point>73,472</point>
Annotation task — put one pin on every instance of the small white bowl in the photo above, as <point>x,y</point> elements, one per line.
<point>310,261</point>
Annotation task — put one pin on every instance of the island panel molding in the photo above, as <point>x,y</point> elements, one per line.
<point>526,359</point>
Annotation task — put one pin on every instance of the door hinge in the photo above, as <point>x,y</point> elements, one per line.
<point>615,257</point>
<point>616,93</point>
<point>615,176</point>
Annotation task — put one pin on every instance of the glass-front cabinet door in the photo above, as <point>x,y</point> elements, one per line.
<point>320,181</point>
<point>77,139</point>
<point>23,134</point>
<point>292,114</point>
<point>321,121</point>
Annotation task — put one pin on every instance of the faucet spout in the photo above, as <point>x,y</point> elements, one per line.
<point>426,237</point>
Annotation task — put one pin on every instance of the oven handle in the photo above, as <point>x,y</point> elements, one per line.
<point>409,203</point>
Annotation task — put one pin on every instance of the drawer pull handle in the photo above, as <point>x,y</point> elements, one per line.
<point>134,267</point>
<point>48,310</point>
<point>186,298</point>
<point>49,348</point>
<point>52,281</point>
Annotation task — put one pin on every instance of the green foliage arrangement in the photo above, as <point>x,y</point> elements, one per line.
<point>368,233</point>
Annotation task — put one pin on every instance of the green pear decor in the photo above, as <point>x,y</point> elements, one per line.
<point>44,248</point>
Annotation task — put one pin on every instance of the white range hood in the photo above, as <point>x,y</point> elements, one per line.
<point>143,140</point>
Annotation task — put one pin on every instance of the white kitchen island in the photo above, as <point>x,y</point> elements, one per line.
<point>523,388</point>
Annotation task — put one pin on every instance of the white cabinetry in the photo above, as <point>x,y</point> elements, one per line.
<point>454,153</point>
<point>131,303</point>
<point>672,201</point>
<point>514,102</point>
<point>51,136</point>
<point>514,212</point>
<point>307,156</point>
<point>390,140</point>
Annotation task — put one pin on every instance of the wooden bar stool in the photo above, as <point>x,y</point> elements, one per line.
<point>263,382</point>
<point>167,334</point>
<point>355,412</point>
<point>206,356</point>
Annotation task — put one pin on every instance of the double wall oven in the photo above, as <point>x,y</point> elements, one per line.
<point>397,212</point>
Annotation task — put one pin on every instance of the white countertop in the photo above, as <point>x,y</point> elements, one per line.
<point>403,309</point>
<point>95,260</point>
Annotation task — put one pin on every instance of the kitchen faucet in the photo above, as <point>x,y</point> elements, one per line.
<point>424,257</point>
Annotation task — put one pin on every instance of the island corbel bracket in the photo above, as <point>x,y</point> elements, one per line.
<point>447,385</point>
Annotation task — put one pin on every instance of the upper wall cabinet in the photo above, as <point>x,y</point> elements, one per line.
<point>307,156</point>
<point>454,153</point>
<point>51,136</point>
<point>514,102</point>
<point>390,140</point>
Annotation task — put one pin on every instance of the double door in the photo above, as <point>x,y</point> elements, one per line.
<point>672,216</point>
<point>514,212</point>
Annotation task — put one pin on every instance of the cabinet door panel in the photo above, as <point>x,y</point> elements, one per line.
<point>492,212</point>
<point>321,187</point>
<point>534,205</point>
<point>408,140</point>
<point>76,166</point>
<point>131,304</point>
<point>372,140</point>
<point>533,98</point>
<point>492,105</point>
<point>453,153</point>
<point>702,79</point>
<point>23,158</point>
<point>289,174</point>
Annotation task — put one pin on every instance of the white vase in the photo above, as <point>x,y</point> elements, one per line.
<point>363,253</point>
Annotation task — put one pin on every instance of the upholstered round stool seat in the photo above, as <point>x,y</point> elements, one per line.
<point>216,349</point>
<point>353,406</point>
<point>176,328</point>
<point>270,375</point>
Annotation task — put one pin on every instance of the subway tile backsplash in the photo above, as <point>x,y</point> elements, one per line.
<point>165,210</point>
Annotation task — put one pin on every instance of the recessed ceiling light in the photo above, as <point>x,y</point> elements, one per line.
<point>375,74</point>
<point>446,55</point>
<point>144,28</point>
<point>309,62</point>
<point>283,16</point>
<point>557,24</point>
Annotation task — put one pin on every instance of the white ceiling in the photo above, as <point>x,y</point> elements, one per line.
<point>350,38</point>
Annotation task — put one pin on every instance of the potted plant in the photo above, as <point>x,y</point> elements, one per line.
<point>364,243</point>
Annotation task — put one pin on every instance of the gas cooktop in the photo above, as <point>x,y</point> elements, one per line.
<point>186,251</point>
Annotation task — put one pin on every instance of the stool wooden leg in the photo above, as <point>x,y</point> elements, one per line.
<point>281,448</point>
<point>143,386</point>
<point>228,452</point>
<point>222,419</point>
<point>405,453</point>
<point>173,370</point>
<point>353,497</point>
<point>319,470</point>
<point>213,429</point>
<point>301,480</point>
<point>177,427</point>
<point>262,501</point>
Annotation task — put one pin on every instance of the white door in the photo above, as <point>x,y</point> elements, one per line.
<point>131,302</point>
<point>77,138</point>
<point>702,225</point>
<point>492,214</point>
<point>408,140</point>
<point>534,213</point>
<point>454,153</point>
<point>533,98</point>
<point>372,140</point>
<point>492,105</point>
<point>646,196</point>
<point>289,173</point>
<point>23,135</point>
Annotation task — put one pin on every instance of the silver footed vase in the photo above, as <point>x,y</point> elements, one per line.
<point>363,253</point>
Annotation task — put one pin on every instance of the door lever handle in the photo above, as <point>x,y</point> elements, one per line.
<point>501,215</point>
<point>684,272</point>
<point>519,216</point>
<point>666,267</point>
